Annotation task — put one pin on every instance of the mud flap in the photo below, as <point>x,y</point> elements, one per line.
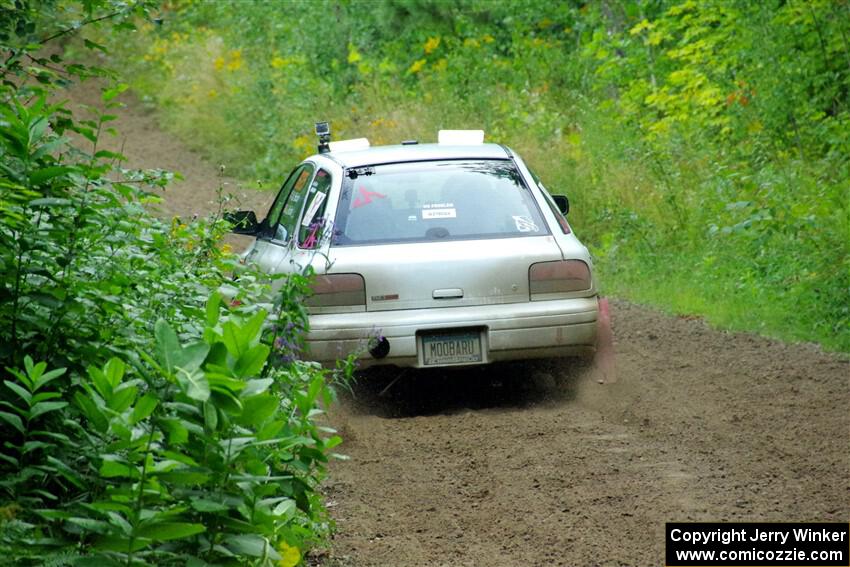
<point>604,369</point>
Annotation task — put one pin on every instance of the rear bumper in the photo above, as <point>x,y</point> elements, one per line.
<point>509,331</point>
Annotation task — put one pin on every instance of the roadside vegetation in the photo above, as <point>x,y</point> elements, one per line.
<point>705,145</point>
<point>145,418</point>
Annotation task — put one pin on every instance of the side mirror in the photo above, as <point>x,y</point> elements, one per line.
<point>244,222</point>
<point>562,202</point>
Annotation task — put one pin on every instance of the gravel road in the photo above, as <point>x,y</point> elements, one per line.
<point>537,463</point>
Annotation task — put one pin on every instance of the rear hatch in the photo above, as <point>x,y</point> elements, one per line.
<point>445,274</point>
<point>439,233</point>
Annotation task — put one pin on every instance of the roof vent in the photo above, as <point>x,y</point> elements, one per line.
<point>350,145</point>
<point>460,137</point>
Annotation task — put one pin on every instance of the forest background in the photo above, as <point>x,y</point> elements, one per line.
<point>705,146</point>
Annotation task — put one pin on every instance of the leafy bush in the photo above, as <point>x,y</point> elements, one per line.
<point>195,459</point>
<point>144,419</point>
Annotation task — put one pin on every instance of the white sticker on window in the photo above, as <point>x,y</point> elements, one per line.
<point>317,201</point>
<point>439,214</point>
<point>525,224</point>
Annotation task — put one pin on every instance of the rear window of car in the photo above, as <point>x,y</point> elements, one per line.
<point>435,201</point>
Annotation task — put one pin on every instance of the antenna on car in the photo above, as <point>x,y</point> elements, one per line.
<point>323,131</point>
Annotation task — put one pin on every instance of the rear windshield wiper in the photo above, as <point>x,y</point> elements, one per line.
<point>355,172</point>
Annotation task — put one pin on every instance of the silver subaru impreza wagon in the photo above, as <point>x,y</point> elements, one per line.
<point>434,255</point>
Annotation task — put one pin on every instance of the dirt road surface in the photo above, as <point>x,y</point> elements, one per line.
<point>537,464</point>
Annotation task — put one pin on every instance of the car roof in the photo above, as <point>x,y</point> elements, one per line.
<point>416,152</point>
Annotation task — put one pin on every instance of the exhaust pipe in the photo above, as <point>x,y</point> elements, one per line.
<point>381,348</point>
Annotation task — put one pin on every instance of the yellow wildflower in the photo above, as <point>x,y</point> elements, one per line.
<point>353,55</point>
<point>432,44</point>
<point>417,66</point>
<point>235,60</point>
<point>488,38</point>
<point>441,64</point>
<point>289,556</point>
<point>471,42</point>
<point>304,145</point>
<point>278,62</point>
<point>218,63</point>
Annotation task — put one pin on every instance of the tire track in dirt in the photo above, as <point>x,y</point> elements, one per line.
<point>536,463</point>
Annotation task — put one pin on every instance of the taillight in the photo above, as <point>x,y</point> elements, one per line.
<point>337,290</point>
<point>558,277</point>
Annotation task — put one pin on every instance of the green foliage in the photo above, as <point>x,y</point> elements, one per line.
<point>703,144</point>
<point>160,424</point>
<point>202,453</point>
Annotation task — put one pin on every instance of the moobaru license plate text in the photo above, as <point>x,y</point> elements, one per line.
<point>451,349</point>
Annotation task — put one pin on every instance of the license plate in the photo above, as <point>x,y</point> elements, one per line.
<point>451,348</point>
